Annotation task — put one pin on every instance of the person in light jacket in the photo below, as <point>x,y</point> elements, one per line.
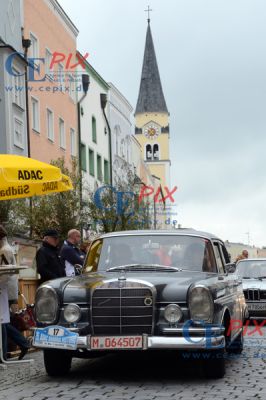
<point>4,282</point>
<point>10,299</point>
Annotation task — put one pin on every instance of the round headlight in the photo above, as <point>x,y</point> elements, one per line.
<point>46,305</point>
<point>72,313</point>
<point>172,313</point>
<point>200,304</point>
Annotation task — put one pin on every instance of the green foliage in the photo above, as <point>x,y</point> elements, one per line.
<point>59,211</point>
<point>64,211</point>
<point>131,214</point>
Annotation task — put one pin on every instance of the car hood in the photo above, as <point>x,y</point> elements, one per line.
<point>254,284</point>
<point>170,286</point>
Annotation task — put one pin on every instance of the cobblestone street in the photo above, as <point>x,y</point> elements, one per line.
<point>138,376</point>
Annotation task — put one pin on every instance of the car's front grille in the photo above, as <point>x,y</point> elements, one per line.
<point>252,294</point>
<point>122,310</point>
<point>263,294</point>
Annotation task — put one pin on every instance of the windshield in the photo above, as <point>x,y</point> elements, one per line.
<point>185,252</point>
<point>251,269</point>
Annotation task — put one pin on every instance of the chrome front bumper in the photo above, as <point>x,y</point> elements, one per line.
<point>170,342</point>
<point>195,338</point>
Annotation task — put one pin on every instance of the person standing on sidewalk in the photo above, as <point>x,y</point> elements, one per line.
<point>48,261</point>
<point>9,298</point>
<point>70,252</point>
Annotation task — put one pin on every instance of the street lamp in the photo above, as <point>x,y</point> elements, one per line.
<point>85,87</point>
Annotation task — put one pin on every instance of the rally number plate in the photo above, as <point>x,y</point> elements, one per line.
<point>116,342</point>
<point>56,337</point>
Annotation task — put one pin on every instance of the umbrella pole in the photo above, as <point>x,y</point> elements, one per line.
<point>3,361</point>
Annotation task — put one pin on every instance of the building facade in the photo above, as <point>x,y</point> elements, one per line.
<point>13,116</point>
<point>52,94</point>
<point>120,120</point>
<point>94,132</point>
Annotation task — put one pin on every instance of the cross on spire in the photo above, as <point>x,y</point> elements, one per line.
<point>148,11</point>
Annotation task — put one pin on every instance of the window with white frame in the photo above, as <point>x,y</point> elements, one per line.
<point>62,134</point>
<point>18,87</point>
<point>18,133</point>
<point>34,48</point>
<point>50,124</point>
<point>35,111</point>
<point>72,142</point>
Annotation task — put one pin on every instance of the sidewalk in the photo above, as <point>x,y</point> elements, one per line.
<point>15,374</point>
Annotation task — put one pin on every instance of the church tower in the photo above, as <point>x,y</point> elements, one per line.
<point>152,116</point>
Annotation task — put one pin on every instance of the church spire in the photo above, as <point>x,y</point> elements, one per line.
<point>151,97</point>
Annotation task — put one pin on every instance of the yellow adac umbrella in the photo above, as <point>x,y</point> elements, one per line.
<point>25,177</point>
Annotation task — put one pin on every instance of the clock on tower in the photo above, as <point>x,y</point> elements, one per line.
<point>151,131</point>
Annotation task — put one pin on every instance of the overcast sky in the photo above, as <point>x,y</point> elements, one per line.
<point>212,62</point>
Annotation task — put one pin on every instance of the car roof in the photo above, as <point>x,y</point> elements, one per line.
<point>177,232</point>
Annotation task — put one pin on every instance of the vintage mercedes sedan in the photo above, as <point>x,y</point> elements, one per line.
<point>144,291</point>
<point>253,275</point>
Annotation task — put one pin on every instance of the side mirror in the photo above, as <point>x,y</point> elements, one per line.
<point>230,268</point>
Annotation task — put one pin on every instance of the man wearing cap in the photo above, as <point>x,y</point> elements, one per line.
<point>48,262</point>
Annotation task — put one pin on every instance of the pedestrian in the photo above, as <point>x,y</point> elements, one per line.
<point>242,256</point>
<point>11,294</point>
<point>48,261</point>
<point>70,252</point>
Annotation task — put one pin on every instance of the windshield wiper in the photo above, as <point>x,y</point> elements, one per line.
<point>143,266</point>
<point>245,277</point>
<point>261,277</point>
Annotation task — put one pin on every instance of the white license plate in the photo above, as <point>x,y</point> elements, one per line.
<point>56,337</point>
<point>257,307</point>
<point>116,342</point>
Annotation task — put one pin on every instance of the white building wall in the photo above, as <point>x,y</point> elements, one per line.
<point>91,107</point>
<point>120,119</point>
<point>13,126</point>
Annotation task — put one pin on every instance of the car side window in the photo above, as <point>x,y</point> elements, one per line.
<point>209,263</point>
<point>225,254</point>
<point>219,260</point>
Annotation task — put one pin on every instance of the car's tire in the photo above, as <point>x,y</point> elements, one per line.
<point>57,362</point>
<point>236,347</point>
<point>214,365</point>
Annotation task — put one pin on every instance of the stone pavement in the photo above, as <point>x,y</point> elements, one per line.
<point>138,376</point>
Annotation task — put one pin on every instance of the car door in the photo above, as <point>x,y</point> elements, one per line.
<point>231,284</point>
<point>237,285</point>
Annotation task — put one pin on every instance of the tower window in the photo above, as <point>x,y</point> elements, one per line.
<point>156,152</point>
<point>148,152</point>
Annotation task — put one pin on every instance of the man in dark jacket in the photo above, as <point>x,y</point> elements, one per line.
<point>48,261</point>
<point>70,253</point>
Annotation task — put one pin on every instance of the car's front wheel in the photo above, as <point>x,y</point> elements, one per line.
<point>57,362</point>
<point>236,347</point>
